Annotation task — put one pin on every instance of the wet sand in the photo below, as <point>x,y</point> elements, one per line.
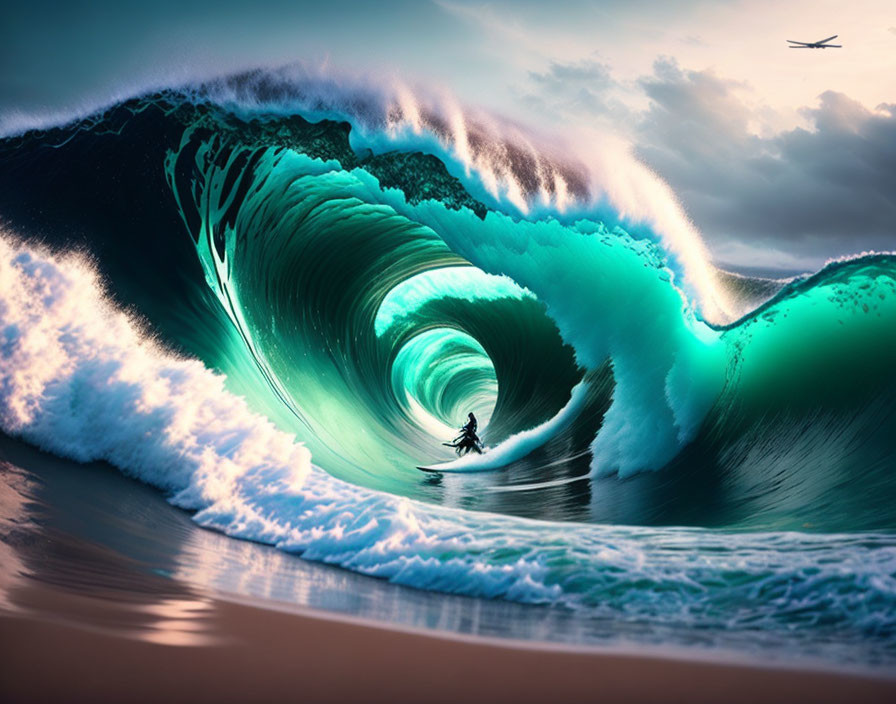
<point>249,654</point>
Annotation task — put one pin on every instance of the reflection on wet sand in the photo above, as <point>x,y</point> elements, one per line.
<point>102,590</point>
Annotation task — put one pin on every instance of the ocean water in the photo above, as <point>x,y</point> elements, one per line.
<point>272,302</point>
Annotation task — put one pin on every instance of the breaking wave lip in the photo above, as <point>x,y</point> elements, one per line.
<point>511,167</point>
<point>79,379</point>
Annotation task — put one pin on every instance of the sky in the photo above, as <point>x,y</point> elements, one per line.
<point>782,158</point>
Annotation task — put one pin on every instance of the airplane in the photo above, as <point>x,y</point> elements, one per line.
<point>822,44</point>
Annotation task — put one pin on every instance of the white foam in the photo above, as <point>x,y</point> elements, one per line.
<point>78,378</point>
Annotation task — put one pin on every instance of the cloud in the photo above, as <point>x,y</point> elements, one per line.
<point>760,194</point>
<point>581,86</point>
<point>583,92</point>
<point>811,193</point>
<point>587,71</point>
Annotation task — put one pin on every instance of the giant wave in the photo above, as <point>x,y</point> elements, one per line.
<point>315,289</point>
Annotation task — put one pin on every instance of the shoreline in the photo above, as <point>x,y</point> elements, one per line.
<point>100,602</point>
<point>56,651</point>
<point>681,654</point>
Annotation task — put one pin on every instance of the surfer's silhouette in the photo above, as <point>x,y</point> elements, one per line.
<point>468,440</point>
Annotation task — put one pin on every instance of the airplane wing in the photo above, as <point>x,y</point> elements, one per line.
<point>802,43</point>
<point>822,41</point>
<point>799,47</point>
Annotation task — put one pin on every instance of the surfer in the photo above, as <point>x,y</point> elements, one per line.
<point>472,426</point>
<point>468,439</point>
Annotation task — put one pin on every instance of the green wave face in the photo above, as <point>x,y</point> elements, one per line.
<point>379,317</point>
<point>804,430</point>
<point>373,335</point>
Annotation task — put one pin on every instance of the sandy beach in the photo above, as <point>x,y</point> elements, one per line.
<point>249,654</point>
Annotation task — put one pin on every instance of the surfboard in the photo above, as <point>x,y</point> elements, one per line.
<point>447,468</point>
<point>436,469</point>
